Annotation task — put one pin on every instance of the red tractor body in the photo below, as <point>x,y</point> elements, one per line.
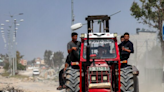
<point>99,68</point>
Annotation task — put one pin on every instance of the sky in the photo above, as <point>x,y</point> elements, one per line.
<point>47,23</point>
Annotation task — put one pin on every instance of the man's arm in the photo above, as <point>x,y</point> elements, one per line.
<point>66,65</point>
<point>126,50</point>
<point>130,50</point>
<point>73,48</point>
<point>131,47</point>
<point>69,48</point>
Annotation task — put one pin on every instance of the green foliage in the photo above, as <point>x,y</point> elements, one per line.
<point>47,55</point>
<point>5,74</point>
<point>151,13</point>
<point>21,67</point>
<point>20,76</point>
<point>6,66</point>
<point>148,13</point>
<point>136,11</point>
<point>56,60</point>
<point>19,57</point>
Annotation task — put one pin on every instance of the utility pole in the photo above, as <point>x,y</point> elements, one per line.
<point>15,54</point>
<point>11,44</point>
<point>9,49</point>
<point>72,12</point>
<point>9,52</point>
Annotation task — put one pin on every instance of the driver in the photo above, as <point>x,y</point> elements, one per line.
<point>100,51</point>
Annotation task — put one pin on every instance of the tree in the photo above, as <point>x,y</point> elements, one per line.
<point>151,13</point>
<point>21,67</point>
<point>47,55</point>
<point>29,63</point>
<point>33,61</point>
<point>19,57</point>
<point>5,62</point>
<point>57,59</point>
<point>6,66</point>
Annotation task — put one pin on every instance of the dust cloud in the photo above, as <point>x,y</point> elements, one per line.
<point>151,71</point>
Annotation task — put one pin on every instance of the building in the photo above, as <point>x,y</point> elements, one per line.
<point>38,60</point>
<point>42,62</point>
<point>23,62</point>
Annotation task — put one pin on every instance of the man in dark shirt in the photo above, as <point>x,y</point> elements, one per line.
<point>73,48</point>
<point>120,48</point>
<point>126,47</point>
<point>73,55</point>
<point>122,39</point>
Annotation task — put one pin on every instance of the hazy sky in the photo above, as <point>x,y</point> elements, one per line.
<point>47,23</point>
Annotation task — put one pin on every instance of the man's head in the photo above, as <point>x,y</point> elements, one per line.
<point>122,38</point>
<point>74,36</point>
<point>126,36</point>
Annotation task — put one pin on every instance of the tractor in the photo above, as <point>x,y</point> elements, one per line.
<point>99,68</point>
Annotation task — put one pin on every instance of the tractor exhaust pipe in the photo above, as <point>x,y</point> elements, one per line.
<point>88,47</point>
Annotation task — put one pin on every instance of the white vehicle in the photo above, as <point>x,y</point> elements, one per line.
<point>36,72</point>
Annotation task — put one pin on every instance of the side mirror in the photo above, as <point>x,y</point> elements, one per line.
<point>76,26</point>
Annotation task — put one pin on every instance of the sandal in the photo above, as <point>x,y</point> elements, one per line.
<point>59,88</point>
<point>64,87</point>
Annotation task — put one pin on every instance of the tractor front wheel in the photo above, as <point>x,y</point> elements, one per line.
<point>127,82</point>
<point>72,80</point>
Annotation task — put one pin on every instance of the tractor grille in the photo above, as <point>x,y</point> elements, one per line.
<point>99,76</point>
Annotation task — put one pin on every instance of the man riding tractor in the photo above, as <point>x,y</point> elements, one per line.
<point>126,47</point>
<point>73,52</point>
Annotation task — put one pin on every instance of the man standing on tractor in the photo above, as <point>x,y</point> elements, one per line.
<point>73,52</point>
<point>120,48</point>
<point>126,47</point>
<point>121,39</point>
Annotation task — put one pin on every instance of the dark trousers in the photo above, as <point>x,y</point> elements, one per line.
<point>124,57</point>
<point>74,56</point>
<point>61,79</point>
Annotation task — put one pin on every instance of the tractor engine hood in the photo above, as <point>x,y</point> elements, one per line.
<point>100,64</point>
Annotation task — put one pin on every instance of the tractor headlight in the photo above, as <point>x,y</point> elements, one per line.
<point>82,35</point>
<point>115,34</point>
<point>105,78</point>
<point>93,78</point>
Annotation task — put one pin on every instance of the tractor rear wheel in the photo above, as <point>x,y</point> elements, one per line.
<point>126,78</point>
<point>72,80</point>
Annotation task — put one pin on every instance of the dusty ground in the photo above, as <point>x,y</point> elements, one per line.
<point>47,86</point>
<point>29,86</point>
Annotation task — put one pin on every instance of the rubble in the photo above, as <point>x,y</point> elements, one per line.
<point>49,74</point>
<point>30,84</point>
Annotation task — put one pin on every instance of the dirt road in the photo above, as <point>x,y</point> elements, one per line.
<point>46,86</point>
